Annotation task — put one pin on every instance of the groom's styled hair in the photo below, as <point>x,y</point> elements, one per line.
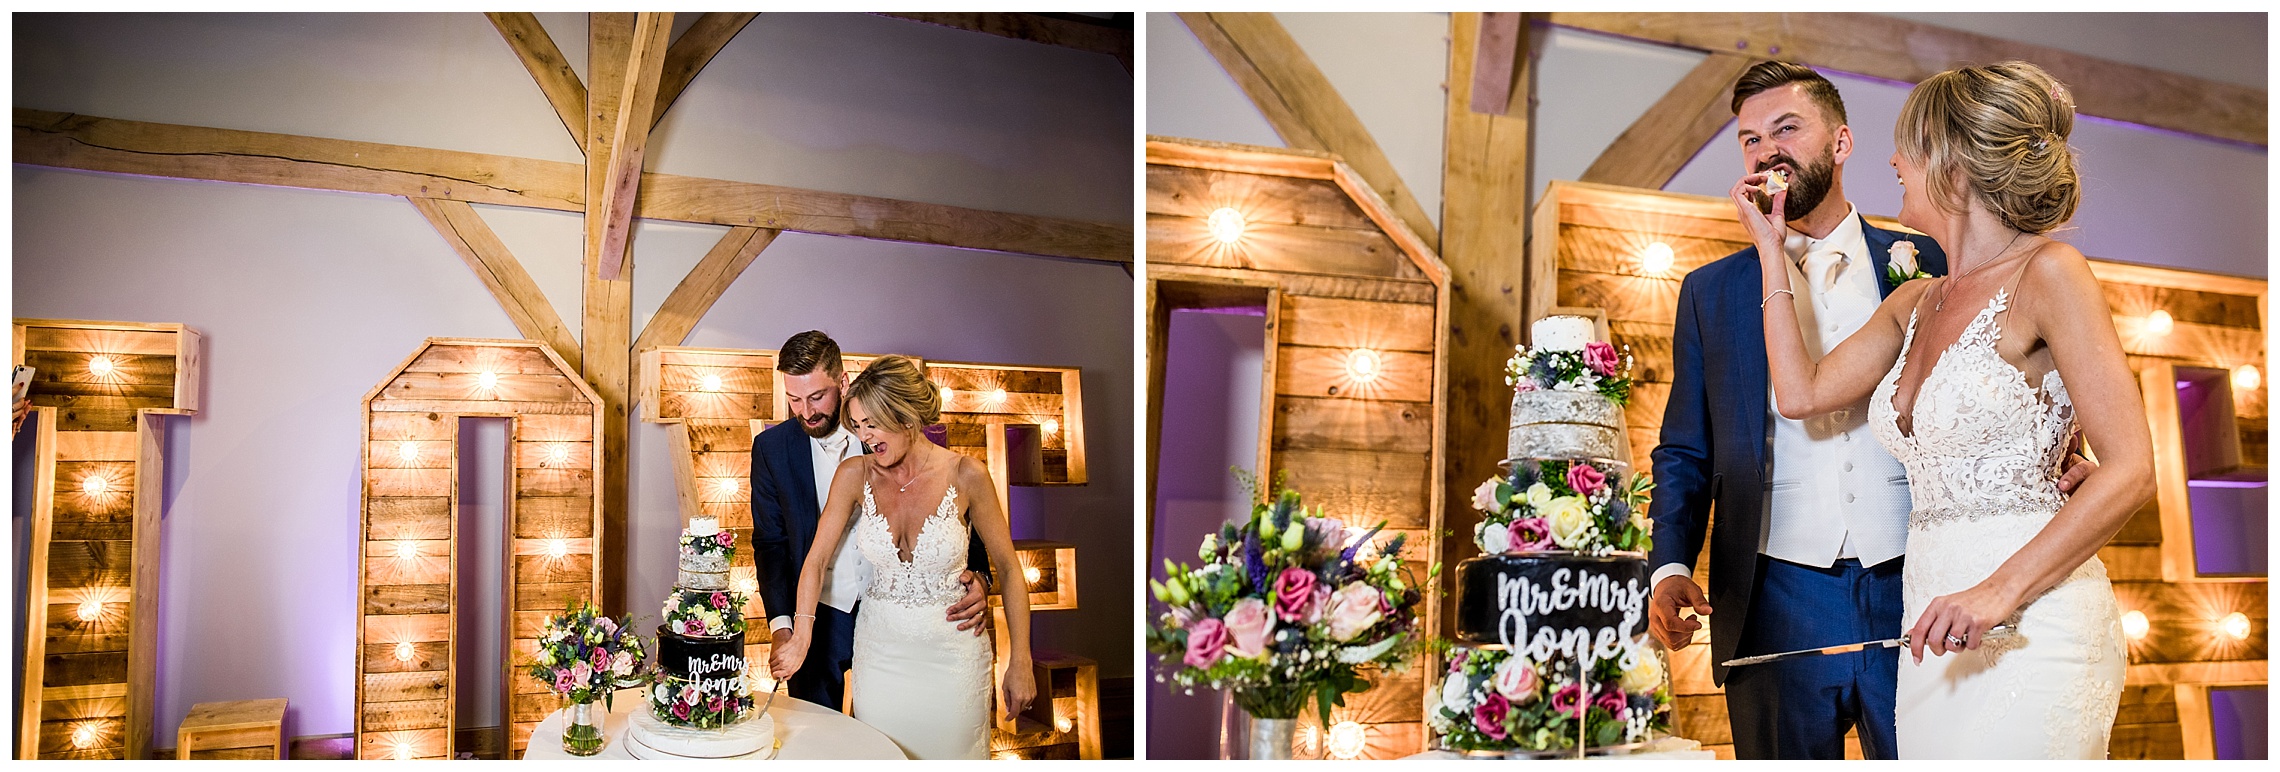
<point>808,350</point>
<point>1766,76</point>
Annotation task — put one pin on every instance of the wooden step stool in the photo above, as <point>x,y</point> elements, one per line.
<point>246,729</point>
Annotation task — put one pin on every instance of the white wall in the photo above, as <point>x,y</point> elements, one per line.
<point>2155,197</point>
<point>308,298</point>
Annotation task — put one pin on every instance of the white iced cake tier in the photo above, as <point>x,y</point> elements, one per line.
<point>1564,424</point>
<point>748,738</point>
<point>702,580</point>
<point>1561,333</point>
<point>707,564</point>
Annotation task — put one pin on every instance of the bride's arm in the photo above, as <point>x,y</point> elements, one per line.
<point>2070,315</point>
<point>987,515</point>
<point>839,505</point>
<point>1801,387</point>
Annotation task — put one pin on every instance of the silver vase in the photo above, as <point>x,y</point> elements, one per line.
<point>1271,738</point>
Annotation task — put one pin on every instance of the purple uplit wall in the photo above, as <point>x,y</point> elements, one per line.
<point>2240,717</point>
<point>1213,364</point>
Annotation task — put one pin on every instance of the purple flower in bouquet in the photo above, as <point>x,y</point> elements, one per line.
<point>1611,700</point>
<point>1599,355</point>
<point>1254,566</point>
<point>719,599</point>
<point>1354,609</point>
<point>1488,717</point>
<point>1206,639</point>
<point>1531,533</point>
<point>1585,480</point>
<point>1294,594</point>
<point>1247,627</point>
<point>608,625</point>
<point>1568,701</point>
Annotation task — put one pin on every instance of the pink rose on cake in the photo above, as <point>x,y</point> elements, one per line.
<point>1600,356</point>
<point>1516,680</point>
<point>1585,480</point>
<point>1489,716</point>
<point>1484,497</point>
<point>1248,625</point>
<point>719,599</point>
<point>1531,533</point>
<point>1568,700</point>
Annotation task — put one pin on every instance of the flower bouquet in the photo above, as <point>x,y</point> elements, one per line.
<point>680,702</point>
<point>1547,504</point>
<point>1284,612</point>
<point>583,655</point>
<point>1596,367</point>
<point>710,614</point>
<point>1496,700</point>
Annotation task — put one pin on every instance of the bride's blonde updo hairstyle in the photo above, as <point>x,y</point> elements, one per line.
<point>2000,132</point>
<point>896,394</point>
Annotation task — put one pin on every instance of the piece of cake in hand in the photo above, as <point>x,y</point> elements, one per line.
<point>1776,181</point>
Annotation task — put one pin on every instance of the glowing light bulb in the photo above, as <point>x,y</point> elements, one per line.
<point>711,382</point>
<point>487,379</point>
<point>726,486</point>
<point>408,451</point>
<point>407,550</point>
<point>2159,323</point>
<point>1347,740</point>
<point>85,734</point>
<point>1065,724</point>
<point>101,367</point>
<point>1657,258</point>
<point>747,586</point>
<point>404,651</point>
<point>946,395</point>
<point>2135,625</point>
<point>557,548</point>
<point>558,452</point>
<point>90,610</point>
<point>1032,574</point>
<point>403,751</point>
<point>95,486</point>
<point>1008,756</point>
<point>1226,225</point>
<point>1051,426</point>
<point>1364,364</point>
<point>997,395</point>
<point>2234,626</point>
<point>2247,378</point>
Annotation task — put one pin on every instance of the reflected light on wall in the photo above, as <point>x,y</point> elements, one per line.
<point>1226,225</point>
<point>2247,378</point>
<point>403,751</point>
<point>1364,365</point>
<point>1065,724</point>
<point>2234,626</point>
<point>90,610</point>
<point>747,586</point>
<point>1007,756</point>
<point>1347,740</point>
<point>487,380</point>
<point>2135,625</point>
<point>2159,323</point>
<point>711,382</point>
<point>101,367</point>
<point>1657,258</point>
<point>96,485</point>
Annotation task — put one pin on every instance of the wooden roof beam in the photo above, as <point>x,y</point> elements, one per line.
<point>1662,140</point>
<point>699,290</point>
<point>691,52</point>
<point>1094,37</point>
<point>609,212</point>
<point>1301,105</point>
<point>1898,49</point>
<point>544,60</point>
<point>90,143</point>
<point>487,256</point>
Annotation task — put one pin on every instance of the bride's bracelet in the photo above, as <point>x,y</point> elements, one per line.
<point>1769,297</point>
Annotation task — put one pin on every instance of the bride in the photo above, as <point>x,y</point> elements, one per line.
<point>1979,404</point>
<point>917,678</point>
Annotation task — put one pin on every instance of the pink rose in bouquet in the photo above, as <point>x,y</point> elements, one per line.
<point>1531,533</point>
<point>1488,717</point>
<point>562,683</point>
<point>1206,639</point>
<point>1568,701</point>
<point>1353,610</point>
<point>1294,594</point>
<point>581,674</point>
<point>607,624</point>
<point>1585,479</point>
<point>622,666</point>
<point>1248,626</point>
<point>1599,355</point>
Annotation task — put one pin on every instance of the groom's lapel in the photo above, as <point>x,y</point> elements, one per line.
<point>1745,332</point>
<point>802,462</point>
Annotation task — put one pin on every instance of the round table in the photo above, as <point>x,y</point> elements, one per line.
<point>807,731</point>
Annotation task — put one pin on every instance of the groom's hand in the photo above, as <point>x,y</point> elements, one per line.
<point>972,612</point>
<point>1673,595</point>
<point>2077,466</point>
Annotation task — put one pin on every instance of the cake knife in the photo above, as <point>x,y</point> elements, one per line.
<point>1998,631</point>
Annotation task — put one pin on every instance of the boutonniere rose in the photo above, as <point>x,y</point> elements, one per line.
<point>1903,266</point>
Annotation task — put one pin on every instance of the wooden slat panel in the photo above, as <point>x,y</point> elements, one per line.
<point>408,482</point>
<point>541,569</point>
<point>554,517</point>
<point>1310,285</point>
<point>2199,601</point>
<point>67,710</point>
<point>2146,741</point>
<point>425,743</point>
<point>76,367</point>
<point>100,667</point>
<point>67,635</point>
<point>480,407</point>
<point>527,709</point>
<point>577,427</point>
<point>98,414</point>
<point>553,482</point>
<point>243,753</point>
<point>407,599</point>
<point>2184,305</point>
<point>1015,403</point>
<point>984,379</point>
<point>504,360</point>
<point>733,464</point>
<point>389,518</point>
<point>89,564</point>
<point>1308,371</point>
<point>55,738</point>
<point>2131,563</point>
<point>551,597</point>
<point>95,446</point>
<point>425,454</point>
<point>1362,488</point>
<point>1357,324</point>
<point>65,531</point>
<point>71,478</point>
<point>733,380</point>
<point>426,656</point>
<point>42,338</point>
<point>510,387</point>
<point>414,426</point>
<point>1353,424</point>
<point>540,455</point>
<point>389,569</point>
<point>400,716</point>
<point>710,436</point>
<point>1597,248</point>
<point>1191,192</point>
<point>387,629</point>
<point>1626,298</point>
<point>71,506</point>
<point>1650,349</point>
<point>404,687</point>
<point>2190,341</point>
<point>1287,248</point>
<point>698,404</point>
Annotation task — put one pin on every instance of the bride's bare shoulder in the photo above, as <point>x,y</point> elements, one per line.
<point>2059,273</point>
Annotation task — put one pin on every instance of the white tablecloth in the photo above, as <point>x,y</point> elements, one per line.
<point>1668,748</point>
<point>807,730</point>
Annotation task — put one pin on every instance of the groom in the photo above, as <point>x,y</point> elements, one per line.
<point>1812,514</point>
<point>792,466</point>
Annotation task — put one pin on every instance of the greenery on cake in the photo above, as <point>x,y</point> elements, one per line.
<point>1495,700</point>
<point>583,655</point>
<point>1598,367</point>
<point>1551,504</point>
<point>677,701</point>
<point>704,613</point>
<point>719,543</point>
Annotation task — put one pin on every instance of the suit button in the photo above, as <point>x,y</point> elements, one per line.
<point>1848,498</point>
<point>1848,466</point>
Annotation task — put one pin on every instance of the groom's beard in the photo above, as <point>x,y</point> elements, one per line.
<point>829,426</point>
<point>1808,185</point>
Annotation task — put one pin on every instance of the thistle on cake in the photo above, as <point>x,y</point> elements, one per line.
<point>1548,504</point>
<point>1565,358</point>
<point>1494,700</point>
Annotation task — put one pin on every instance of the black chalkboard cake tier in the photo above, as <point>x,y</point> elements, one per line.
<point>1506,599</point>
<point>713,665</point>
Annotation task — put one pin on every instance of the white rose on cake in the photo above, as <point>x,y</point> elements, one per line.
<point>1494,537</point>
<point>1456,694</point>
<point>1539,497</point>
<point>1571,522</point>
<point>1644,677</point>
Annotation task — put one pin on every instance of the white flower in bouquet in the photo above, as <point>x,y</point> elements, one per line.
<point>1516,680</point>
<point>1353,610</point>
<point>546,656</point>
<point>622,664</point>
<point>1456,694</point>
<point>1644,677</point>
<point>1570,519</point>
<point>1539,497</point>
<point>1484,497</point>
<point>1494,538</point>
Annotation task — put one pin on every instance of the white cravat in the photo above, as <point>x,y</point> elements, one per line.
<point>846,576</point>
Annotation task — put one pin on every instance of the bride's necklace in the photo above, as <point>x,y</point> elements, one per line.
<point>905,486</point>
<point>1942,304</point>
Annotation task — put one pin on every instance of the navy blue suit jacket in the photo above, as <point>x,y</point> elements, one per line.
<point>1715,452</point>
<point>785,511</point>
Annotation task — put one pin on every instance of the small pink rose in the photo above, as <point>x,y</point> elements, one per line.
<point>1516,680</point>
<point>719,599</point>
<point>681,711</point>
<point>1531,534</point>
<point>1611,700</point>
<point>1599,355</point>
<point>1206,639</point>
<point>1294,593</point>
<point>1488,717</point>
<point>1524,385</point>
<point>1248,627</point>
<point>1484,497</point>
<point>562,681</point>
<point>1584,479</point>
<point>728,538</point>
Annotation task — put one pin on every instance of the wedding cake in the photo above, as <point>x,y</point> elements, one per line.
<point>1553,655</point>
<point>701,703</point>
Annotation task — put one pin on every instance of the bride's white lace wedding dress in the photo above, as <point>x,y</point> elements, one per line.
<point>918,678</point>
<point>1983,454</point>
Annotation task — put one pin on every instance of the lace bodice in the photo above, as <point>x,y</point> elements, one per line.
<point>1982,441</point>
<point>938,556</point>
